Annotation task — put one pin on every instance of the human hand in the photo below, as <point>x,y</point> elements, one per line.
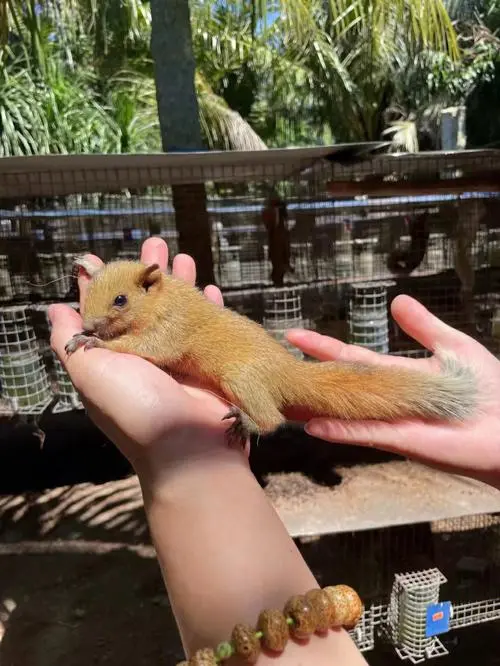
<point>154,420</point>
<point>471,448</point>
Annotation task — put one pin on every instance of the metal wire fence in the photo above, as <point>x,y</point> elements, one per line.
<point>320,237</point>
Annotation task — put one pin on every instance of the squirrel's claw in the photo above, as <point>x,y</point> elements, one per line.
<point>80,340</point>
<point>239,431</point>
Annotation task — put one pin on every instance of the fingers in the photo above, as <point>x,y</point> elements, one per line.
<point>407,438</point>
<point>423,326</point>
<point>410,315</point>
<point>84,278</point>
<point>214,294</point>
<point>155,251</point>
<point>325,348</point>
<point>65,323</point>
<point>444,446</point>
<point>184,268</point>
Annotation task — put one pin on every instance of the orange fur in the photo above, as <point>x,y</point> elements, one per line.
<point>173,325</point>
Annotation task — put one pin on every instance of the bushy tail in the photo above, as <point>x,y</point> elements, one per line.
<point>352,391</point>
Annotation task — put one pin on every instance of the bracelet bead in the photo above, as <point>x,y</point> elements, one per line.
<point>346,604</point>
<point>303,614</point>
<point>246,643</point>
<point>324,610</point>
<point>274,628</point>
<point>203,657</point>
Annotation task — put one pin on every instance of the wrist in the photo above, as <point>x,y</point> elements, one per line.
<point>176,462</point>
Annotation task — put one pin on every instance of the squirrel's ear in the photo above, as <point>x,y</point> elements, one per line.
<point>149,276</point>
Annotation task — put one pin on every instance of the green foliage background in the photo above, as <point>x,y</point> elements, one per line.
<point>77,75</point>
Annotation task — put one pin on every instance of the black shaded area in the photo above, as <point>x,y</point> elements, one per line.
<point>290,449</point>
<point>76,451</point>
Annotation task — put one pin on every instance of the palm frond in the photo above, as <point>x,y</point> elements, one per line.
<point>404,136</point>
<point>224,128</point>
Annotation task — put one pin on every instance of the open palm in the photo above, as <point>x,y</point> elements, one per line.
<point>471,448</point>
<point>137,405</point>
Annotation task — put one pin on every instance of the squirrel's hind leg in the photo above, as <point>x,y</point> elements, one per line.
<point>256,414</point>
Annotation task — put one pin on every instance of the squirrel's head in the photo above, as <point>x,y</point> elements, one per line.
<point>121,297</point>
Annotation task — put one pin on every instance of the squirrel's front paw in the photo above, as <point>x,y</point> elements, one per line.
<point>80,340</point>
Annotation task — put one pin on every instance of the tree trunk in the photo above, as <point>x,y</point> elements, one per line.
<point>172,51</point>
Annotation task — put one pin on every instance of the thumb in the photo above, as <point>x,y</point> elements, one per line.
<point>422,325</point>
<point>65,322</point>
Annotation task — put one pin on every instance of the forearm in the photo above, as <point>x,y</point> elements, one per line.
<point>225,556</point>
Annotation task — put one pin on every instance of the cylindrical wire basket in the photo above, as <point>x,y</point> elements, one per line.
<point>6,293</point>
<point>230,266</point>
<point>282,311</point>
<point>68,398</point>
<point>24,382</point>
<point>343,259</point>
<point>414,602</point>
<point>17,334</point>
<point>368,316</point>
<point>20,285</point>
<point>55,273</point>
<point>364,257</point>
<point>301,255</point>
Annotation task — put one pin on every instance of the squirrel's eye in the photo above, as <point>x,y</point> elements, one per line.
<point>120,301</point>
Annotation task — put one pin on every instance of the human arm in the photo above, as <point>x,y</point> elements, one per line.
<point>471,448</point>
<point>223,551</point>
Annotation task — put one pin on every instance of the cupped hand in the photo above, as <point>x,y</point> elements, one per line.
<point>470,448</point>
<point>151,417</point>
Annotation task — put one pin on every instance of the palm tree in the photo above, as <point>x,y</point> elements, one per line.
<point>341,52</point>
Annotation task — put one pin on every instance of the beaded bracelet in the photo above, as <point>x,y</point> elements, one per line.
<point>317,611</point>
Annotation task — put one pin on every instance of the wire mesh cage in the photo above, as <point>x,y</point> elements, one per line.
<point>283,311</point>
<point>17,334</point>
<point>6,293</point>
<point>23,378</point>
<point>55,274</point>
<point>325,221</point>
<point>412,594</point>
<point>368,315</point>
<point>62,386</point>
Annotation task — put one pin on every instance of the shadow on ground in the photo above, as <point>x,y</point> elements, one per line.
<point>81,609</point>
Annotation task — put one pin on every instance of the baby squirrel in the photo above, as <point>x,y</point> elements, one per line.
<point>138,309</point>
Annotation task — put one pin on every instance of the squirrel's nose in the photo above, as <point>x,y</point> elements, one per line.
<point>91,326</point>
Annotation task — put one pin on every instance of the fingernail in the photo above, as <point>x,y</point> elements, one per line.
<point>313,430</point>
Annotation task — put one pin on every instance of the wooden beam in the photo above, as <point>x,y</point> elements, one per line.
<point>378,187</point>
